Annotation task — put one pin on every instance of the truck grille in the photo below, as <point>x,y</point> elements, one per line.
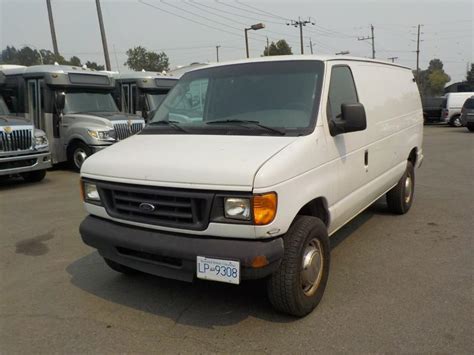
<point>176,208</point>
<point>124,130</point>
<point>20,139</point>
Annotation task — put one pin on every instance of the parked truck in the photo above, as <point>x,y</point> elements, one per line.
<point>24,150</point>
<point>73,105</point>
<point>141,92</point>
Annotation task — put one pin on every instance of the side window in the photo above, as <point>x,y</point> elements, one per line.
<point>342,90</point>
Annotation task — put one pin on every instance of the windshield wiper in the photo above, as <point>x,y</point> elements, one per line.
<point>174,124</point>
<point>256,123</point>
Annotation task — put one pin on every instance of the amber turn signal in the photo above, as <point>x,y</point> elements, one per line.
<point>264,208</point>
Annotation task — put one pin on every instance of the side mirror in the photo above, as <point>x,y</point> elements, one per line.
<point>60,101</point>
<point>353,119</point>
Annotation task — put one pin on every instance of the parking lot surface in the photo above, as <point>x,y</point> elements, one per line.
<point>397,283</point>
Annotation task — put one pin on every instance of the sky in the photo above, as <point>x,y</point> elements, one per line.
<point>189,30</point>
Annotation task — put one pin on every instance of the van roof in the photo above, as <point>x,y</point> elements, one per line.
<point>42,69</point>
<point>323,58</point>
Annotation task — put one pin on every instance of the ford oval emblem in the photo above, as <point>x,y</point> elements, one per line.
<point>147,207</point>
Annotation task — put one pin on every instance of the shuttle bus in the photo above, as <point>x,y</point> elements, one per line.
<point>141,92</point>
<point>73,105</point>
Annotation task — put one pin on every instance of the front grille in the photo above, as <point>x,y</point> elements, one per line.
<point>19,139</point>
<point>17,163</point>
<point>124,130</point>
<point>176,208</point>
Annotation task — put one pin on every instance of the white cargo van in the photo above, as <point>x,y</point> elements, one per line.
<point>451,113</point>
<point>248,167</point>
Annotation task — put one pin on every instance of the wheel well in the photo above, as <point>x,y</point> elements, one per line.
<point>412,156</point>
<point>71,144</point>
<point>316,208</point>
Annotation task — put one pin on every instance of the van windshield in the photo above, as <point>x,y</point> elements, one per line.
<point>3,107</point>
<point>81,102</point>
<point>263,98</point>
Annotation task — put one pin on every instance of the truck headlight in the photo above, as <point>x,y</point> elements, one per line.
<point>90,193</point>
<point>237,208</point>
<point>100,135</point>
<point>40,140</point>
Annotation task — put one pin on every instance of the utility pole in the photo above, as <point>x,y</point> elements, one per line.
<point>311,45</point>
<point>418,51</point>
<point>268,47</point>
<point>104,39</point>
<point>300,24</point>
<point>217,53</point>
<point>53,31</point>
<point>392,59</point>
<point>372,37</point>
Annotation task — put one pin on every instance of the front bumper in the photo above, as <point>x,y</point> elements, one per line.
<point>24,163</point>
<point>174,255</point>
<point>98,148</point>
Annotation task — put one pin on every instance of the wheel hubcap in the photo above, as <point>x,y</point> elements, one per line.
<point>312,267</point>
<point>408,188</point>
<point>457,122</point>
<point>79,156</point>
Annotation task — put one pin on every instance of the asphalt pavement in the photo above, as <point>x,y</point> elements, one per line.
<point>397,283</point>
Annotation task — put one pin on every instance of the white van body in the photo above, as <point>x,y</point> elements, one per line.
<point>334,176</point>
<point>451,113</point>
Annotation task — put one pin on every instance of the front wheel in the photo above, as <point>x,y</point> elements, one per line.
<point>298,285</point>
<point>77,153</point>
<point>34,176</point>
<point>400,197</point>
<point>455,121</point>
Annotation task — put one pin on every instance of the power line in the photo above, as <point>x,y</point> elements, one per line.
<point>188,19</point>
<point>264,12</point>
<point>249,11</point>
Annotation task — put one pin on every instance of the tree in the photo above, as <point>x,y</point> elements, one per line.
<point>94,66</point>
<point>279,48</point>
<point>139,58</point>
<point>431,81</point>
<point>470,75</point>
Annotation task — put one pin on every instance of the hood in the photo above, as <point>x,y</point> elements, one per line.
<point>186,160</point>
<point>13,121</point>
<point>115,116</point>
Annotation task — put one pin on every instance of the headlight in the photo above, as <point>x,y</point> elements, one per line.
<point>40,140</point>
<point>237,208</point>
<point>90,192</point>
<point>100,135</point>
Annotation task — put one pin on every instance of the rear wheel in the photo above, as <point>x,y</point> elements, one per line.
<point>78,152</point>
<point>34,176</point>
<point>298,285</point>
<point>120,268</point>
<point>470,127</point>
<point>400,197</point>
<point>455,121</point>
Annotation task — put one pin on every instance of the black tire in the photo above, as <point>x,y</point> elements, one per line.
<point>75,150</point>
<point>455,121</point>
<point>400,197</point>
<point>34,176</point>
<point>120,268</point>
<point>470,127</point>
<point>286,287</point>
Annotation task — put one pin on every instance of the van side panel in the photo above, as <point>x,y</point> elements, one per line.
<point>394,122</point>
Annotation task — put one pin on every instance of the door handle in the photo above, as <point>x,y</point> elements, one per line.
<point>366,158</point>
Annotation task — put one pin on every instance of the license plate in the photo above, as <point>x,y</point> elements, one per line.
<point>218,270</point>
